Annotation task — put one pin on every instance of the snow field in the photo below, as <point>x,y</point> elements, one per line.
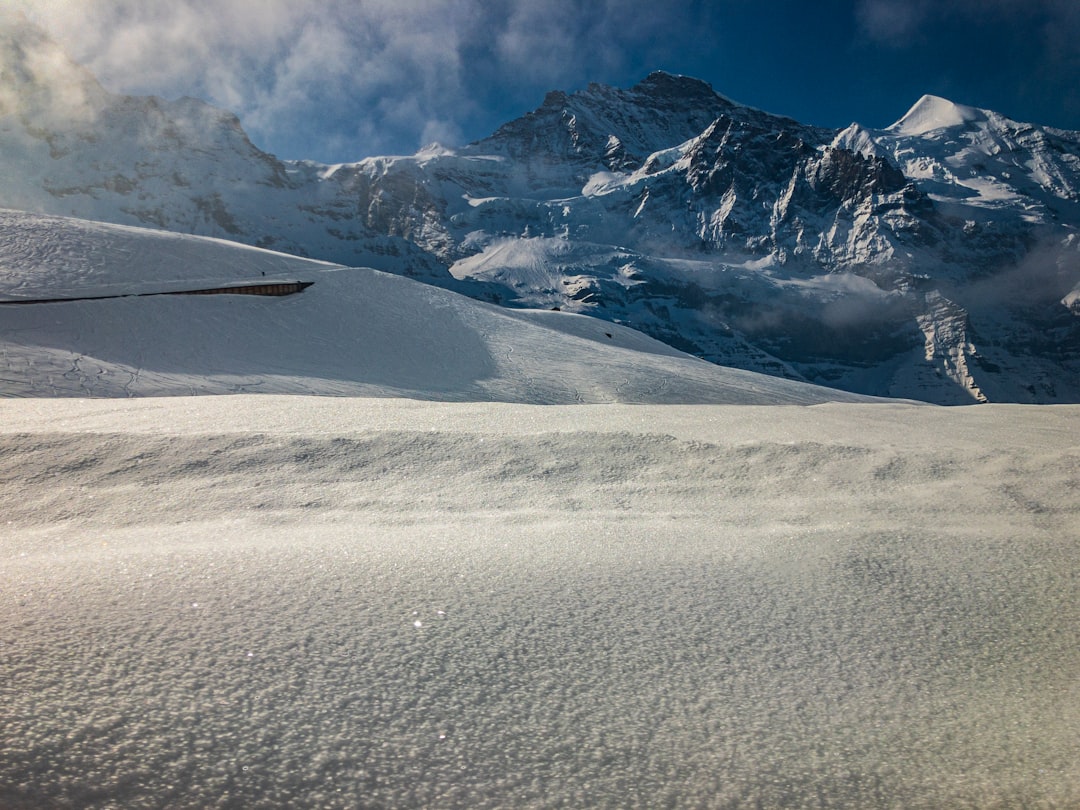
<point>291,601</point>
<point>356,332</point>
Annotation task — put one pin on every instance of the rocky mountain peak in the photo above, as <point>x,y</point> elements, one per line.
<point>671,87</point>
<point>578,130</point>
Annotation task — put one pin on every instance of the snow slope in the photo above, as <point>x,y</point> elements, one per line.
<point>355,331</point>
<point>224,602</point>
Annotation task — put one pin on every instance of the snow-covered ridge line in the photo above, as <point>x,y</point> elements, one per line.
<point>901,425</point>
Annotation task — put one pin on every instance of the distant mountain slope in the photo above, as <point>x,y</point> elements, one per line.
<point>355,331</point>
<point>936,259</point>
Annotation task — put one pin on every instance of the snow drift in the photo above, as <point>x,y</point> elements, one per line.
<point>336,602</point>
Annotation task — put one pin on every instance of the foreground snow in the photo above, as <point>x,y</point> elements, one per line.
<point>312,602</point>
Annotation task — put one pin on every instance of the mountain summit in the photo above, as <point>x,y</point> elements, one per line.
<point>936,259</point>
<point>933,112</point>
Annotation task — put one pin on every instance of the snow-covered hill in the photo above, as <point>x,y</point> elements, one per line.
<point>937,259</point>
<point>355,331</point>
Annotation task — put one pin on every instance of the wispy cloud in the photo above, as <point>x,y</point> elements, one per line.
<point>281,65</point>
<point>900,22</point>
<point>357,77</point>
<point>1037,43</point>
<point>341,79</point>
<point>891,22</point>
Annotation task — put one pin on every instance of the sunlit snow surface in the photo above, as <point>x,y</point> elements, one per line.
<point>334,602</point>
<point>721,595</point>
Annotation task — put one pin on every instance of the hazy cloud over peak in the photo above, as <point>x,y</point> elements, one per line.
<point>337,80</point>
<point>891,21</point>
<point>364,77</point>
<point>280,65</point>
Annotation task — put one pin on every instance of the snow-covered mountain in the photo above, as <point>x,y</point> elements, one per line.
<point>936,259</point>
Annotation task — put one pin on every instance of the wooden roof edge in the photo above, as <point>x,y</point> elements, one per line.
<point>266,288</point>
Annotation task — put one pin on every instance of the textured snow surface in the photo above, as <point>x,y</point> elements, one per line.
<point>267,602</point>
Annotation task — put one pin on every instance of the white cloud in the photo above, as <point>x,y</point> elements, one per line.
<point>386,74</point>
<point>899,22</point>
<point>280,65</point>
<point>891,21</point>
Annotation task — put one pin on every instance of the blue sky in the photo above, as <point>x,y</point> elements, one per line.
<point>337,80</point>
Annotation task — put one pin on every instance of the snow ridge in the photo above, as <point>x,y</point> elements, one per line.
<point>931,113</point>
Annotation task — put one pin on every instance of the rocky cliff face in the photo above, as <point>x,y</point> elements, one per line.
<point>937,259</point>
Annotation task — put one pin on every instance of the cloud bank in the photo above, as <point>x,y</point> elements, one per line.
<point>337,80</point>
<point>342,77</point>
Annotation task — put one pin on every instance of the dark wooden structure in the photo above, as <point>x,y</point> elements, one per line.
<point>271,288</point>
<point>275,288</point>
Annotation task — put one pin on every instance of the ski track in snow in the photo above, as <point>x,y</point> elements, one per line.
<point>335,602</point>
